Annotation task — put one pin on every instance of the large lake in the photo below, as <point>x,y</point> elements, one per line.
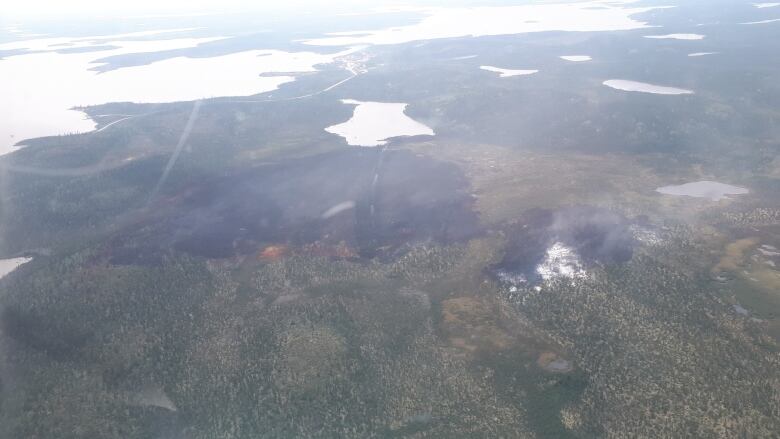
<point>591,16</point>
<point>42,85</point>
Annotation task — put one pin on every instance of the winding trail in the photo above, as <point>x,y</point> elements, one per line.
<point>105,165</point>
<point>352,66</point>
<point>295,98</point>
<point>112,124</point>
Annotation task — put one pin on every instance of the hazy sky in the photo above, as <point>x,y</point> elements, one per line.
<point>26,8</point>
<point>14,9</point>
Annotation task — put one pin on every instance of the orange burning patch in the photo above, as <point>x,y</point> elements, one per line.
<point>272,253</point>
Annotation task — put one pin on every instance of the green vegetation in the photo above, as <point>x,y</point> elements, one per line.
<point>228,307</point>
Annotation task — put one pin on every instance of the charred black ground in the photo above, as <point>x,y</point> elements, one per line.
<point>368,199</point>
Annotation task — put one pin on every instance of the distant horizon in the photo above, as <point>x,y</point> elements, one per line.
<point>49,8</point>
